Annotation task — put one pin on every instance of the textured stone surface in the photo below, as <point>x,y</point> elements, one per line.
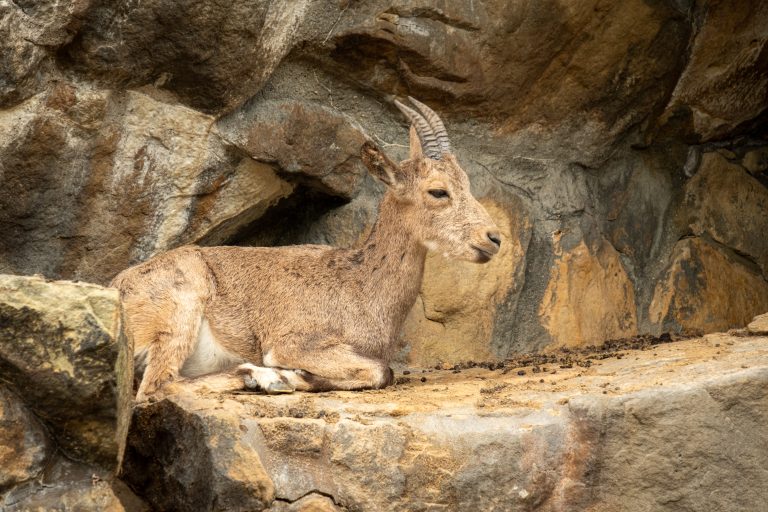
<point>65,486</point>
<point>30,32</point>
<point>316,145</point>
<point>63,353</point>
<point>24,446</point>
<point>629,434</point>
<point>589,298</point>
<point>707,288</point>
<point>128,129</point>
<point>719,199</point>
<point>726,79</point>
<point>194,49</point>
<point>311,503</point>
<point>182,460</point>
<point>133,176</point>
<point>759,325</point>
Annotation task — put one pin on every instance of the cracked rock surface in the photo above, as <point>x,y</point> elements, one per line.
<point>646,431</point>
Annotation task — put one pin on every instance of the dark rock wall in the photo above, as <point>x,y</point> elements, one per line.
<point>623,148</point>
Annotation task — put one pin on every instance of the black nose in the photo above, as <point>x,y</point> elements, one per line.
<point>495,237</point>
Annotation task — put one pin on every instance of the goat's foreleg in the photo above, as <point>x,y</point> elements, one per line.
<point>169,349</point>
<point>334,368</point>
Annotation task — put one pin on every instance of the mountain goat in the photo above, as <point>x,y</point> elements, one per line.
<point>309,317</point>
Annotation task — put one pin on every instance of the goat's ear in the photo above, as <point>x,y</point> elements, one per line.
<point>379,164</point>
<point>415,152</point>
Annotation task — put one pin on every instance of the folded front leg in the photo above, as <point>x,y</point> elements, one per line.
<point>333,368</point>
<point>270,380</point>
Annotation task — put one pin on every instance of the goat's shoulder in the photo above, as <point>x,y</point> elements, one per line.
<point>185,260</point>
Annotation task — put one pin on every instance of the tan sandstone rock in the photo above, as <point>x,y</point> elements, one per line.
<point>182,460</point>
<point>759,325</point>
<point>629,434</point>
<point>725,80</point>
<point>718,201</point>
<point>97,180</point>
<point>706,288</point>
<point>63,353</point>
<point>589,298</point>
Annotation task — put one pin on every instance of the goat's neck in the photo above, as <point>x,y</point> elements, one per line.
<point>392,263</point>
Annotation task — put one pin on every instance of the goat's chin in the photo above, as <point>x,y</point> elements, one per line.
<point>472,254</point>
<point>482,258</point>
<point>481,255</point>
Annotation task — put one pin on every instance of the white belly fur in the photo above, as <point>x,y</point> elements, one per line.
<point>209,356</point>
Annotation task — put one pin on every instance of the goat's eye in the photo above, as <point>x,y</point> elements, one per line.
<point>438,193</point>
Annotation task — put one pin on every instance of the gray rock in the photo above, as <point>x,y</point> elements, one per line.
<point>66,486</point>
<point>63,353</point>
<point>213,57</point>
<point>133,176</point>
<point>182,460</point>
<point>308,143</point>
<point>24,445</point>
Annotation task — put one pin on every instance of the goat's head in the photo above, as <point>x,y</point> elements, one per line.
<point>432,191</point>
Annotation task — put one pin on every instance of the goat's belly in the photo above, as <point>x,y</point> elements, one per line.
<point>209,356</point>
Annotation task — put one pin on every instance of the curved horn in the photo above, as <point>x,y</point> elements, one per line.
<point>436,123</point>
<point>429,141</point>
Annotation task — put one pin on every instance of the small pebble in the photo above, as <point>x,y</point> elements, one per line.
<point>541,380</point>
<point>521,372</point>
<point>406,372</point>
<point>423,379</point>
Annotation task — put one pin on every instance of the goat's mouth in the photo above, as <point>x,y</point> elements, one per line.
<point>483,255</point>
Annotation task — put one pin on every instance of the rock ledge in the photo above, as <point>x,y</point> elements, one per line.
<point>647,431</point>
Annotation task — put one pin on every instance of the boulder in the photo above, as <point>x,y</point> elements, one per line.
<point>63,353</point>
<point>307,142</point>
<point>24,445</point>
<point>706,288</point>
<point>98,180</point>
<point>625,433</point>
<point>211,56</point>
<point>724,84</point>
<point>759,325</point>
<point>67,486</point>
<point>180,459</point>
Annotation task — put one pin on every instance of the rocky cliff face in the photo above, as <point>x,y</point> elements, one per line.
<point>622,148</point>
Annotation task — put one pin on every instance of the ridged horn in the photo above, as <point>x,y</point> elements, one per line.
<point>429,142</point>
<point>438,128</point>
